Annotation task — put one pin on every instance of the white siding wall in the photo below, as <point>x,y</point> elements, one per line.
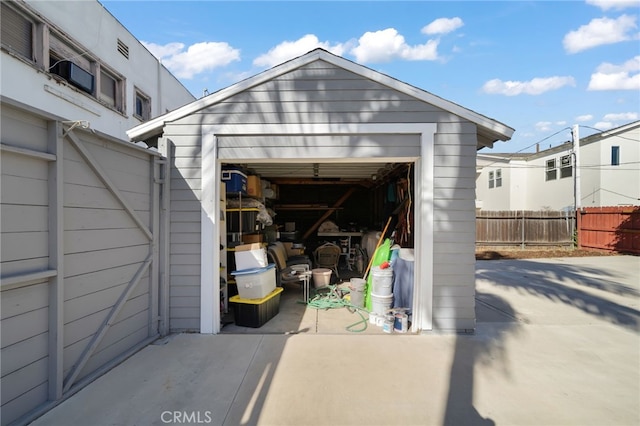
<point>545,194</point>
<point>601,184</point>
<point>25,83</point>
<point>322,93</point>
<point>618,185</point>
<point>592,159</point>
<point>496,198</point>
<point>454,228</point>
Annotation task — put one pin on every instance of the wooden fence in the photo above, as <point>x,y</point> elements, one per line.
<point>525,228</point>
<point>610,228</point>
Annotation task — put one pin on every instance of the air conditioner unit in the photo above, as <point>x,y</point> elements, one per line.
<point>75,75</point>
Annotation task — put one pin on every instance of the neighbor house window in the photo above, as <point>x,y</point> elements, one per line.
<point>111,89</point>
<point>495,179</point>
<point>615,155</point>
<point>552,171</point>
<point>68,62</point>
<point>566,169</point>
<point>17,32</point>
<point>142,106</point>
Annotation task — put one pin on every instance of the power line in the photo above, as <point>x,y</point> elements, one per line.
<point>609,135</point>
<point>532,145</point>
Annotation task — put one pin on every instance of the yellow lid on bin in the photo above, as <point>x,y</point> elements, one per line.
<point>238,299</point>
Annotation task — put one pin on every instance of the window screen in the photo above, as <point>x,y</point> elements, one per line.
<point>17,32</point>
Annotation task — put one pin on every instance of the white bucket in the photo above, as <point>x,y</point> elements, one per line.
<point>381,304</point>
<point>382,281</point>
<point>357,287</point>
<point>321,277</point>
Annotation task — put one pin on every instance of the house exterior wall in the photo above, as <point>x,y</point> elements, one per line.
<point>601,183</point>
<point>543,194</point>
<point>499,197</point>
<point>316,94</point>
<point>28,83</point>
<point>616,185</point>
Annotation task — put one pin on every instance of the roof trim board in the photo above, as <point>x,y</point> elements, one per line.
<point>153,127</point>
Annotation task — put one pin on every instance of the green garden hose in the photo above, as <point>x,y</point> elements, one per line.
<point>333,300</point>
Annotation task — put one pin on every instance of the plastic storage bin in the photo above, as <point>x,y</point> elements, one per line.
<point>235,181</point>
<point>250,256</point>
<point>255,312</point>
<point>255,283</point>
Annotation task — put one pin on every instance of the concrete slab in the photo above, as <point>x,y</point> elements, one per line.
<point>557,343</point>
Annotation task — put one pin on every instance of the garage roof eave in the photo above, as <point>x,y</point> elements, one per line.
<point>492,128</point>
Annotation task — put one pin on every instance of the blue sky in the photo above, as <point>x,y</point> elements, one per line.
<point>537,66</point>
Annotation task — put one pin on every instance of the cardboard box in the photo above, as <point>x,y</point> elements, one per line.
<point>254,187</point>
<point>255,283</point>
<point>250,256</point>
<point>252,238</point>
<point>255,313</point>
<point>247,247</point>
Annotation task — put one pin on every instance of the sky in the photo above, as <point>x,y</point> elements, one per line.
<point>539,67</point>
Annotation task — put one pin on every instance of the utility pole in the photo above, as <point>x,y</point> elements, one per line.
<point>577,196</point>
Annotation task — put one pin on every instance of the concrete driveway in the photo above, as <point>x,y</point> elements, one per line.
<point>557,343</point>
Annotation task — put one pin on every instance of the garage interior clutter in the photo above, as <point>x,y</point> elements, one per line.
<point>290,245</point>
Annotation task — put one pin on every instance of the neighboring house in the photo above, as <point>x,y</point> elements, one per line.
<point>72,60</point>
<point>79,202</point>
<point>608,166</point>
<point>320,111</point>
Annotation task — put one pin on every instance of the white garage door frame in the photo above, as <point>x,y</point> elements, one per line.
<point>210,200</point>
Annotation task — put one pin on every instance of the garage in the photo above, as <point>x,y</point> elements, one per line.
<point>321,121</point>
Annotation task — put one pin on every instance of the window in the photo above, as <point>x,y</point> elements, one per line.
<point>17,32</point>
<point>142,106</point>
<point>111,89</point>
<point>615,155</point>
<point>495,179</point>
<point>68,62</point>
<point>551,172</point>
<point>566,169</point>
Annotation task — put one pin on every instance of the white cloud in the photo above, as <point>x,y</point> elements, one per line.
<point>622,116</point>
<point>536,86</point>
<point>613,4</point>
<point>583,118</point>
<point>198,58</point>
<point>599,32</point>
<point>292,49</point>
<point>604,125</point>
<point>386,45</point>
<point>443,26</point>
<point>543,126</point>
<point>617,77</point>
<point>163,51</point>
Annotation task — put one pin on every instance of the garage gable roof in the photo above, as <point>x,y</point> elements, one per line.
<point>491,129</point>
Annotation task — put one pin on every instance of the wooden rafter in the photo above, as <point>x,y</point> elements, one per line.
<point>328,213</point>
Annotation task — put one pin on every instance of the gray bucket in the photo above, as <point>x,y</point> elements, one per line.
<point>356,287</point>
